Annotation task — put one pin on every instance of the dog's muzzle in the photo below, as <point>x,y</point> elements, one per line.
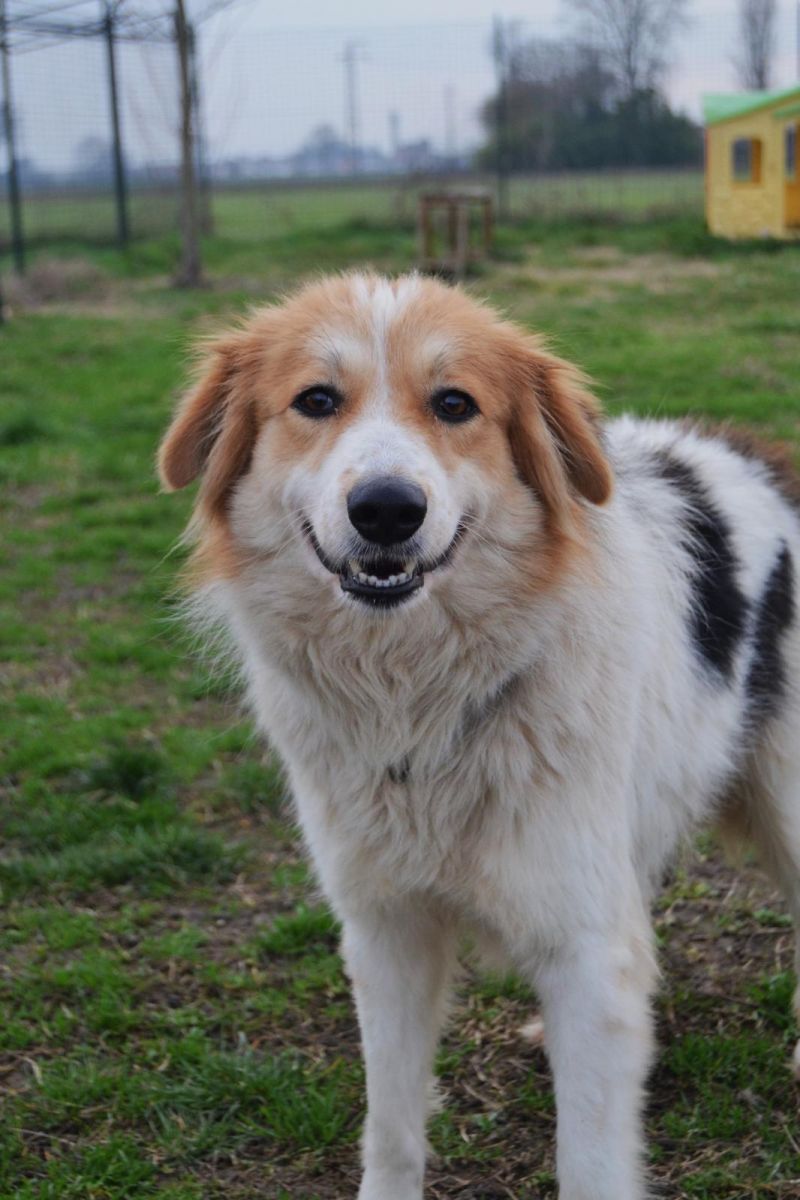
<point>382,579</point>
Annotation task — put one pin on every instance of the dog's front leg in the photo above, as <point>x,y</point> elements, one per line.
<point>400,959</point>
<point>595,1000</point>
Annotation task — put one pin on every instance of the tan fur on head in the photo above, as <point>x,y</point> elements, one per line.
<point>392,344</point>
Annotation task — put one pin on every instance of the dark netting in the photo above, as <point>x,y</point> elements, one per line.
<point>58,61</point>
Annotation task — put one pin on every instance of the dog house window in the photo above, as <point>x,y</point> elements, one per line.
<point>790,147</point>
<point>747,160</point>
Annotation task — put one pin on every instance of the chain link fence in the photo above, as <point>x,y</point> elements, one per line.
<point>90,128</point>
<point>65,151</point>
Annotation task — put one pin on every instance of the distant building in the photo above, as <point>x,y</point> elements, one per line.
<point>246,169</point>
<point>416,156</point>
<point>752,175</point>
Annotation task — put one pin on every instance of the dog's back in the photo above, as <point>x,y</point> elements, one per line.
<point>720,739</point>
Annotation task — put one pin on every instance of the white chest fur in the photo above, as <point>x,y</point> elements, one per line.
<point>428,761</point>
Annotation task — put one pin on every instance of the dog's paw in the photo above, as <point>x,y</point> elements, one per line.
<point>385,1190</point>
<point>533,1031</point>
<point>387,1183</point>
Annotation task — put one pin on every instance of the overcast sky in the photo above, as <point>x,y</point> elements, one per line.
<point>368,12</point>
<point>272,72</point>
<point>410,67</point>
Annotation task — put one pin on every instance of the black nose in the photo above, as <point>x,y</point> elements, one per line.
<point>387,509</point>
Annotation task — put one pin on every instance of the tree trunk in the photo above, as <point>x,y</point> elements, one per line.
<point>190,271</point>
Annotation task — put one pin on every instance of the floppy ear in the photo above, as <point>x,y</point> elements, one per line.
<point>555,438</point>
<point>214,428</point>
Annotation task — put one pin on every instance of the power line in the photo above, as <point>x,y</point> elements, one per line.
<point>52,22</point>
<point>49,9</point>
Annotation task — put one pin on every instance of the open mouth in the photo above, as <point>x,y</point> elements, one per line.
<point>380,580</point>
<point>385,581</point>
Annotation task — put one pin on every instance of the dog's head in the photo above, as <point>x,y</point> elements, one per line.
<point>363,430</point>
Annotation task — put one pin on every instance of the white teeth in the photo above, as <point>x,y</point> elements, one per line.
<point>375,581</point>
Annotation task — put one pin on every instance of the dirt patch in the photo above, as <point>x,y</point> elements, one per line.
<point>79,287</point>
<point>760,372</point>
<point>600,271</point>
<point>50,281</point>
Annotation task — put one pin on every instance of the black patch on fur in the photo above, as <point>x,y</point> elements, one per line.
<point>766,679</point>
<point>476,713</point>
<point>399,772</point>
<point>719,608</point>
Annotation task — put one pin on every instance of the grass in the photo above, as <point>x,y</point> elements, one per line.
<point>255,211</point>
<point>175,1019</point>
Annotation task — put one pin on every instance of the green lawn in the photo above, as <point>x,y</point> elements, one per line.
<point>174,1021</point>
<point>257,211</point>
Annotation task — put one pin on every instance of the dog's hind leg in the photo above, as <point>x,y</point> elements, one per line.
<point>768,814</point>
<point>400,957</point>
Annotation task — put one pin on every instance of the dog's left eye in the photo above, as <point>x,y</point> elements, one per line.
<point>454,406</point>
<point>317,402</point>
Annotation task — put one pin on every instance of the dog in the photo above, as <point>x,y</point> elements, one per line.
<point>510,654</point>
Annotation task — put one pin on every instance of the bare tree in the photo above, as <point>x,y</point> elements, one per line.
<point>753,60</point>
<point>634,35</point>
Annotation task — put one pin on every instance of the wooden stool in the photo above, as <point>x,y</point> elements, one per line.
<point>459,249</point>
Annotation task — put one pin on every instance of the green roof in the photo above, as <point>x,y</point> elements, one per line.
<point>791,110</point>
<point>722,107</point>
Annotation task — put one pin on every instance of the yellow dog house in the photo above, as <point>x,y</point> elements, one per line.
<point>752,175</point>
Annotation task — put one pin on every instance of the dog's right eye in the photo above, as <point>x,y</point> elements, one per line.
<point>317,402</point>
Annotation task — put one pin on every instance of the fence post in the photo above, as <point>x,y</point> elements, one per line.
<point>190,271</point>
<point>14,194</point>
<point>120,183</point>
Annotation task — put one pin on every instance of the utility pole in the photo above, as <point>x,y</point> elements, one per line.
<point>120,186</point>
<point>350,58</point>
<point>190,272</point>
<point>14,193</point>
<point>450,141</point>
<point>501,54</point>
<point>394,133</point>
